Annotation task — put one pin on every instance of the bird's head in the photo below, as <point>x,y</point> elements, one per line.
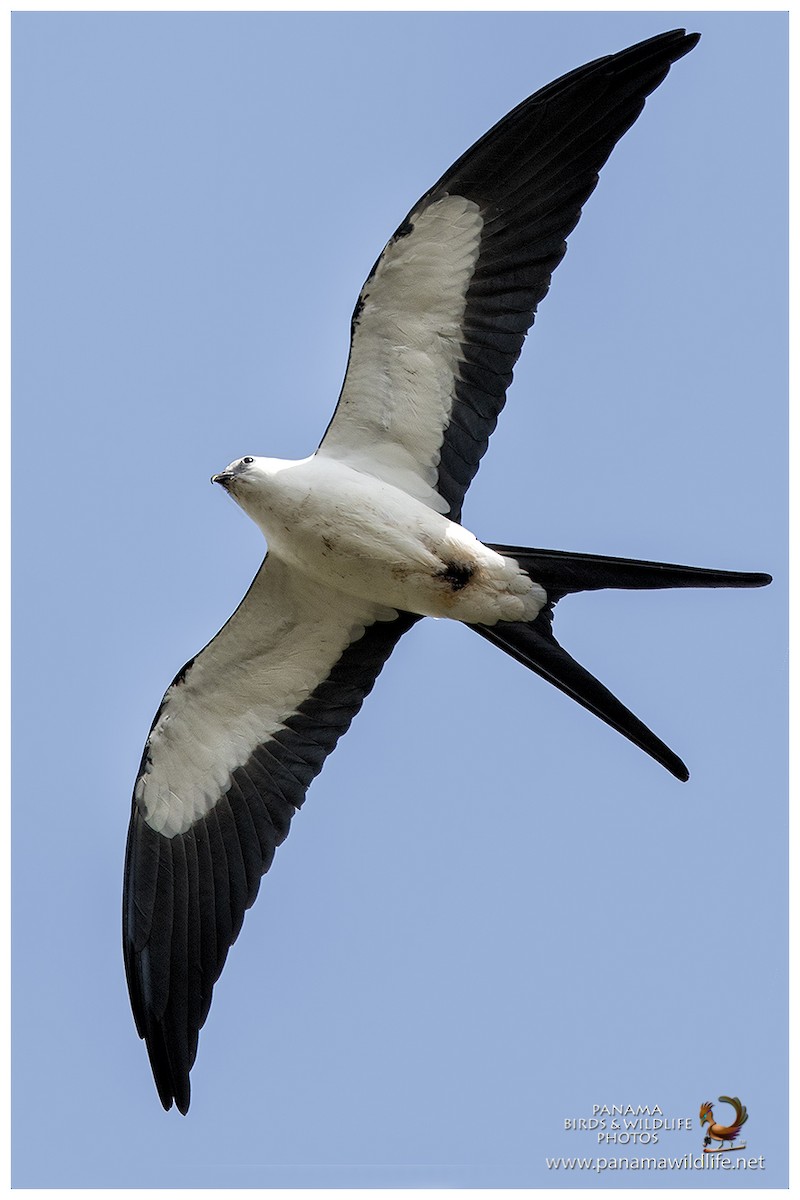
<point>241,471</point>
<point>253,483</point>
<point>246,480</point>
<point>705,1112</point>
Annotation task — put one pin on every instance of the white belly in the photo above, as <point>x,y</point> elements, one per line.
<point>369,539</point>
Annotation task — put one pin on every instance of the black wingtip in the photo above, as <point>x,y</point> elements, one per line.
<point>684,42</point>
<point>171,1087</point>
<point>691,41</point>
<point>172,1090</point>
<point>666,47</point>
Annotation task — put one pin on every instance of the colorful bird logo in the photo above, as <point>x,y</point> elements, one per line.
<point>722,1133</point>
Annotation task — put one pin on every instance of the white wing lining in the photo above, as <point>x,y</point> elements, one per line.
<point>399,388</point>
<point>279,645</point>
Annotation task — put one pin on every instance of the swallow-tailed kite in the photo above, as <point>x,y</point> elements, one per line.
<point>365,539</point>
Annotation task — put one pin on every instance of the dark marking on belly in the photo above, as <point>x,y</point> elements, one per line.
<point>456,574</point>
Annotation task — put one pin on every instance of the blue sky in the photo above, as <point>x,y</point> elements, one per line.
<point>493,912</point>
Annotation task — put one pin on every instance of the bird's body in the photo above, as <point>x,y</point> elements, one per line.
<point>365,538</point>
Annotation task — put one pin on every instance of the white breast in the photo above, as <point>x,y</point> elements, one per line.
<point>366,538</point>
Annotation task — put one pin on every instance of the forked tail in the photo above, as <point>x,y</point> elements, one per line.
<point>533,644</point>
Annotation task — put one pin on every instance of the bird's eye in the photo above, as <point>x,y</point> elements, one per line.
<point>247,460</point>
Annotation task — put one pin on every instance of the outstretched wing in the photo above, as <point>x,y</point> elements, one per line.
<point>440,321</point>
<point>239,736</point>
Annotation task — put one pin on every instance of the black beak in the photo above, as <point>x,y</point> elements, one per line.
<point>224,478</point>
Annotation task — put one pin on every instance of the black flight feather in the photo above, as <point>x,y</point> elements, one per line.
<point>200,883</point>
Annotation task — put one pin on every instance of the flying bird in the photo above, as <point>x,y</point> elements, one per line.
<point>365,538</point>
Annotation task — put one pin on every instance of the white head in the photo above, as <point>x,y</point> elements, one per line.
<point>250,481</point>
<point>240,471</point>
